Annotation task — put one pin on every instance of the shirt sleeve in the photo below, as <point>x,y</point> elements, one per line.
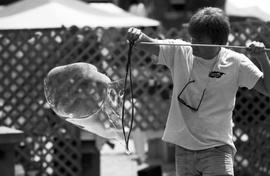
<point>167,53</point>
<point>249,73</point>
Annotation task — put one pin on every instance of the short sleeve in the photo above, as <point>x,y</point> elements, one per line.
<point>249,73</point>
<point>167,53</point>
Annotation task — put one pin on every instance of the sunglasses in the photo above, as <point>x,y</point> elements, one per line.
<point>184,103</point>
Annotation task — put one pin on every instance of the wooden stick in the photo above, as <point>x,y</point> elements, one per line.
<point>203,45</point>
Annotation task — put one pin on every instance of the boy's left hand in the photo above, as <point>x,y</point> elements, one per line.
<point>256,48</point>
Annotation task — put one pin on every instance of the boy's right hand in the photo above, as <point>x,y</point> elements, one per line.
<point>137,36</point>
<point>134,34</point>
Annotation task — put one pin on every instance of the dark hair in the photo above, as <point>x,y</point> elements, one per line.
<point>212,22</point>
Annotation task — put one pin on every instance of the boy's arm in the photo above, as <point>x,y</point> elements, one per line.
<point>136,35</point>
<point>256,50</point>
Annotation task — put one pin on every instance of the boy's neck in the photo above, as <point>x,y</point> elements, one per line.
<point>211,55</point>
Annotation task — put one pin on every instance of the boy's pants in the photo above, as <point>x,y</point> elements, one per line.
<point>216,161</point>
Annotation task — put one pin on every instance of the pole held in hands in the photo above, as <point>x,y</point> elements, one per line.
<point>200,45</point>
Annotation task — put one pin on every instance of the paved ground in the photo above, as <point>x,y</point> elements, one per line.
<point>115,162</point>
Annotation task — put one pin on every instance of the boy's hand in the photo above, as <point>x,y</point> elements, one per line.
<point>134,34</point>
<point>256,49</point>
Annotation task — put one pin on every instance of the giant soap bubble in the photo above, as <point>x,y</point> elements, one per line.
<point>81,95</point>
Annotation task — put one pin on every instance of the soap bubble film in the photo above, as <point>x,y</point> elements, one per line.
<point>81,95</point>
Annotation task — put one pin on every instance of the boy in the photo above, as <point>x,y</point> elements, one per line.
<point>205,81</point>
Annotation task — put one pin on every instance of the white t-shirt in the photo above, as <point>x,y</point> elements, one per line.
<point>212,124</point>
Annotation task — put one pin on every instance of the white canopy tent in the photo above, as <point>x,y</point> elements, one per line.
<point>29,14</point>
<point>249,8</point>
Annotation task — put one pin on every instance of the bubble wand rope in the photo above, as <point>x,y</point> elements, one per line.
<point>203,45</point>
<point>128,74</point>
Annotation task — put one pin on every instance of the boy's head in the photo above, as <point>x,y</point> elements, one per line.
<point>211,22</point>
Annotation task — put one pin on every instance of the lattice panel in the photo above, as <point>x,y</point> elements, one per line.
<point>27,57</point>
<point>251,133</point>
<point>52,147</point>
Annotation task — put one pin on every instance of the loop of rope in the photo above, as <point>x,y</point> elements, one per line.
<point>128,75</point>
